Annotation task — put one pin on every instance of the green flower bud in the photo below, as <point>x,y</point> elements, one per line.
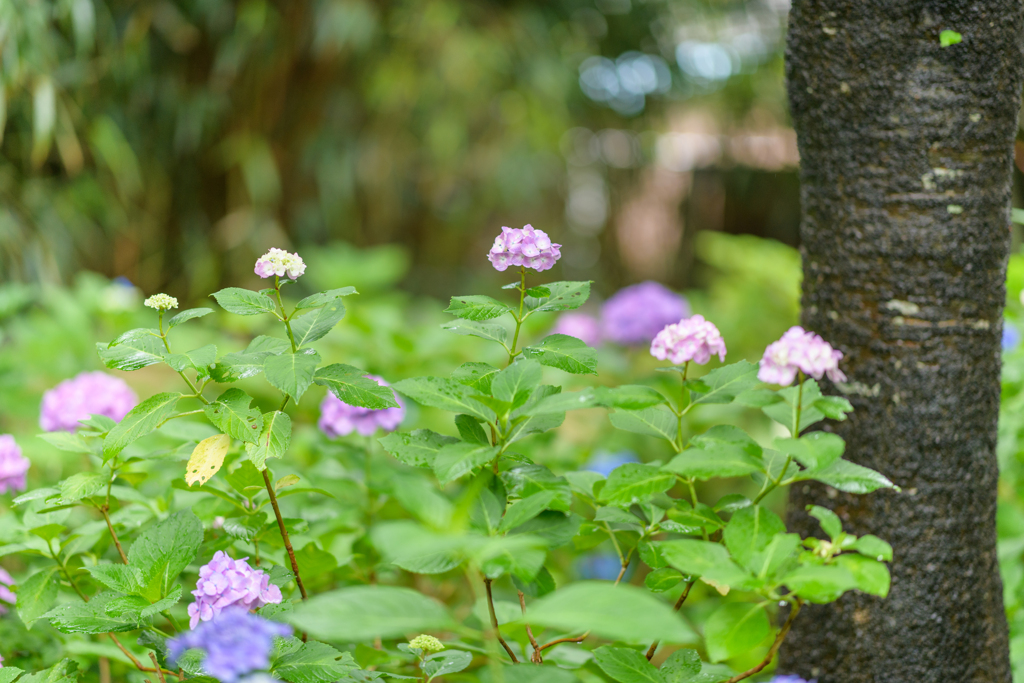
<point>161,302</point>
<point>426,644</point>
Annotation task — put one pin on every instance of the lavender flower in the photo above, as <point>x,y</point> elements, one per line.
<point>225,583</point>
<point>580,325</point>
<point>691,339</point>
<point>89,393</point>
<point>803,351</point>
<point>13,467</point>
<point>280,263</point>
<point>5,592</point>
<point>524,247</point>
<point>789,678</point>
<point>635,314</point>
<point>236,642</point>
<point>338,418</point>
<point>1011,336</point>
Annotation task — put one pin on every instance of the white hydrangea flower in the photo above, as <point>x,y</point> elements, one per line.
<point>280,263</point>
<point>161,302</point>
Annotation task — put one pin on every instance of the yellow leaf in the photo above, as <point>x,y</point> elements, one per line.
<point>206,459</point>
<point>286,481</point>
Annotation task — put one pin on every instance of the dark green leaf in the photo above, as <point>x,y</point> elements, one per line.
<point>163,551</point>
<point>91,617</point>
<point>352,386</point>
<point>291,373</point>
<point>314,662</point>
<point>477,307</point>
<point>626,665</point>
<point>661,580</point>
<point>635,483</point>
<point>470,430</point>
<point>735,628</point>
<point>314,325</point>
<point>244,301</point>
<point>418,449</point>
<point>187,315</point>
<point>565,353</point>
<point>273,441</point>
<point>231,414</point>
<point>140,420</point>
<point>526,480</point>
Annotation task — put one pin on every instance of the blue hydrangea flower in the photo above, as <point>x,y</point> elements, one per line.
<point>602,565</point>
<point>236,642</point>
<point>789,678</point>
<point>604,462</point>
<point>1011,336</point>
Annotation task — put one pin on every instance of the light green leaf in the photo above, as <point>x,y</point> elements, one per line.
<point>735,628</point>
<point>829,520</point>
<point>324,298</point>
<point>140,420</point>
<point>244,301</point>
<point>820,584</point>
<point>657,421</point>
<point>36,595</point>
<point>477,376</point>
<point>292,373</point>
<point>449,662</point>
<point>231,414</point>
<point>626,665</point>
<point>418,449</point>
<point>494,333</point>
<point>750,531</point>
<point>635,483</point>
<point>562,296</point>
<point>515,383</point>
<point>446,394</point>
<point>724,384</point>
<point>118,577</point>
<point>274,439</point>
<point>187,315</point>
<point>362,613</point>
<point>477,307</point>
<point>351,386</point>
<point>947,38</point>
<point>81,485</point>
<point>133,354</point>
<point>873,546</point>
<point>163,551</point>
<point>316,324</point>
<point>852,478</point>
<point>871,575</point>
<point>661,580</point>
<point>525,510</point>
<point>815,450</point>
<point>458,459</point>
<point>565,353</point>
<point>91,617</point>
<point>314,662</point>
<point>67,441</point>
<point>704,559</point>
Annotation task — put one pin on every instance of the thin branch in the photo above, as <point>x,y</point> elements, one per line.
<point>159,671</point>
<point>284,534</point>
<point>775,646</point>
<point>136,662</point>
<point>105,509</point>
<point>535,657</point>
<point>679,603</point>
<point>559,641</point>
<point>494,621</point>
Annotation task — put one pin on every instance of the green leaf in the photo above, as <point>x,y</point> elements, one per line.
<point>657,421</point>
<point>784,411</point>
<point>133,354</point>
<point>187,315</point>
<point>626,665</point>
<point>314,662</point>
<point>776,557</point>
<point>67,441</point>
<point>36,595</point>
<point>563,296</point>
<point>458,459</point>
<point>621,612</point>
<point>834,407</point>
<point>352,386</point>
<point>565,353</point>
<point>724,384</point>
<point>852,478</point>
<point>316,324</point>
<point>526,480</point>
<point>163,551</point>
<point>635,483</point>
<point>873,546</point>
<point>140,420</point>
<point>750,531</point>
<point>683,666</point>
<point>81,485</point>
<point>516,383</point>
<point>735,628</point>
<point>292,373</point>
<point>324,298</point>
<point>314,561</point>
<point>236,366</point>
<point>9,673</point>
<point>477,307</point>
<point>871,575</point>
<point>477,376</point>
<point>446,394</point>
<point>470,430</point>
<point>704,559</point>
<point>273,441</point>
<point>118,577</point>
<point>362,613</point>
<point>201,360</point>
<point>525,510</point>
<point>947,38</point>
<point>820,584</point>
<point>244,301</point>
<point>628,397</point>
<point>829,520</point>
<point>661,580</point>
<point>525,422</point>
<point>231,414</point>
<point>91,617</point>
<point>419,449</point>
<point>494,333</point>
<point>449,662</point>
<point>815,450</point>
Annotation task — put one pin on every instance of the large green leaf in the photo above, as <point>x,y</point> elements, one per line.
<point>140,420</point>
<point>635,483</point>
<point>314,325</point>
<point>626,665</point>
<point>244,301</point>
<point>750,531</point>
<point>815,450</point>
<point>292,373</point>
<point>446,394</point>
<point>563,296</point>
<point>784,411</point>
<point>324,298</point>
<point>448,662</point>
<point>352,386</point>
<point>477,307</point>
<point>133,354</point>
<point>418,449</point>
<point>847,476</point>
<point>362,613</point>
<point>724,384</point>
<point>163,551</point>
<point>735,628</point>
<point>476,376</point>
<point>655,421</point>
<point>820,584</point>
<point>273,441</point>
<point>565,353</point>
<point>314,662</point>
<point>705,559</point>
<point>92,616</point>
<point>458,459</point>
<point>515,383</point>
<point>201,360</point>
<point>871,575</point>
<point>722,451</point>
<point>187,315</point>
<point>36,595</point>
<point>231,414</point>
<point>490,332</point>
<point>526,480</point>
<point>619,612</point>
<point>81,485</point>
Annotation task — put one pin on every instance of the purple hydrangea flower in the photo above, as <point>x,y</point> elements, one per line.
<point>89,393</point>
<point>280,263</point>
<point>691,339</point>
<point>789,678</point>
<point>236,642</point>
<point>580,325</point>
<point>13,466</point>
<point>227,583</point>
<point>1011,336</point>
<point>604,462</point>
<point>635,314</point>
<point>803,351</point>
<point>338,418</point>
<point>524,247</point>
<point>6,596</point>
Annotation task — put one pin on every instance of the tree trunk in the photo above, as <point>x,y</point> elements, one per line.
<point>906,152</point>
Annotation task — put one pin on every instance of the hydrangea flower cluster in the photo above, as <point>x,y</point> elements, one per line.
<point>338,418</point>
<point>604,462</point>
<point>161,302</point>
<point>280,263</point>
<point>1011,336</point>
<point>236,642</point>
<point>789,678</point>
<point>6,595</point>
<point>524,247</point>
<point>635,314</point>
<point>426,644</point>
<point>13,466</point>
<point>580,325</point>
<point>803,351</point>
<point>89,393</point>
<point>226,583</point>
<point>691,339</point>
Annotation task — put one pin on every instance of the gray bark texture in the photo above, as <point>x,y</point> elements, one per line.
<point>906,152</point>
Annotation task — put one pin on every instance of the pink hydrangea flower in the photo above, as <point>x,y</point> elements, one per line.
<point>691,339</point>
<point>580,325</point>
<point>89,393</point>
<point>524,247</point>
<point>13,467</point>
<point>338,418</point>
<point>803,351</point>
<point>225,583</point>
<point>280,263</point>
<point>634,315</point>
<point>6,596</point>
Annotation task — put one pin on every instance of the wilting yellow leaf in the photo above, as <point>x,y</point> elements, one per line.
<point>206,459</point>
<point>723,590</point>
<point>286,481</point>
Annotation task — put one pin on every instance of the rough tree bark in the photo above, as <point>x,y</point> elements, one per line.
<point>905,153</point>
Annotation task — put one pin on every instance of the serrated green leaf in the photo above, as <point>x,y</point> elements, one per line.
<point>525,510</point>
<point>352,386</point>
<point>635,483</point>
<point>291,373</point>
<point>315,325</point>
<point>90,617</point>
<point>494,333</point>
<point>735,628</point>
<point>562,296</point>
<point>67,441</point>
<point>525,480</point>
<point>36,595</point>
<point>323,298</point>
<point>448,662</point>
<point>201,360</point>
<point>273,441</point>
<point>188,314</point>
<point>850,477</point>
<point>418,449</point>
<point>565,353</point>
<point>314,662</point>
<point>515,383</point>
<point>244,301</point>
<point>477,307</point>
<point>134,354</point>
<point>446,394</point>
<point>749,532</point>
<point>163,551</point>
<point>118,577</point>
<point>458,459</point>
<point>140,420</point>
<point>231,414</point>
<point>81,485</point>
<point>657,421</point>
<point>477,376</point>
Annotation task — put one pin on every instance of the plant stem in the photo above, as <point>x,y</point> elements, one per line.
<point>494,621</point>
<point>159,672</point>
<point>519,318</point>
<point>196,391</point>
<point>135,660</point>
<point>284,533</point>
<point>679,603</point>
<point>284,316</point>
<point>105,509</point>
<point>681,411</point>
<point>535,657</point>
<point>794,610</point>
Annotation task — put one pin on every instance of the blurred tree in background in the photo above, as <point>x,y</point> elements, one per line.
<point>170,141</point>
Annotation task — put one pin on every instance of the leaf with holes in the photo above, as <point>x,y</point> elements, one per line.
<point>207,458</point>
<point>231,414</point>
<point>273,441</point>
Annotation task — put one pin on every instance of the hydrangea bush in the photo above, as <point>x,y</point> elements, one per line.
<point>295,582</point>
